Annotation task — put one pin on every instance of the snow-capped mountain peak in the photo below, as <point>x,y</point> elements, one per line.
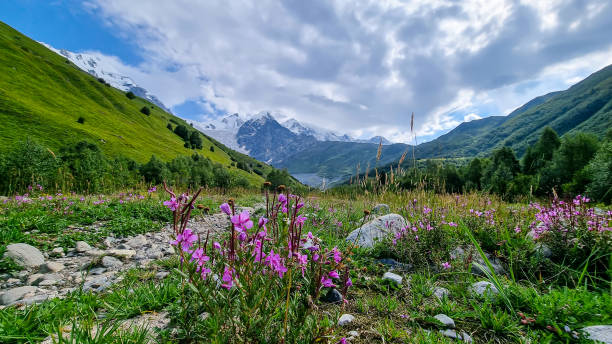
<point>99,68</point>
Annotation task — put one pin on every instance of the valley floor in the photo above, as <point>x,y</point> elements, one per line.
<point>428,269</point>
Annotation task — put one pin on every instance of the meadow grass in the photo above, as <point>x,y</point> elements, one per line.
<point>539,299</point>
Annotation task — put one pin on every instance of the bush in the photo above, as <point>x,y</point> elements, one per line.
<point>182,132</point>
<point>154,171</point>
<point>81,120</point>
<point>130,95</point>
<point>169,126</point>
<point>195,140</point>
<point>145,110</point>
<point>212,148</point>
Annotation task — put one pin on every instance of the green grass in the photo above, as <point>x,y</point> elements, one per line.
<point>384,312</point>
<point>42,95</point>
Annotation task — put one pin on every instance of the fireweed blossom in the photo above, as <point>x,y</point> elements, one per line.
<point>226,208</point>
<point>185,239</point>
<point>242,221</point>
<point>336,255</point>
<point>228,278</point>
<point>446,265</point>
<point>172,204</point>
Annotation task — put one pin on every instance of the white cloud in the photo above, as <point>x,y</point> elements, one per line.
<point>362,67</point>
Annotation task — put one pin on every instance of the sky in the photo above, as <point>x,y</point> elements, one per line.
<point>355,67</point>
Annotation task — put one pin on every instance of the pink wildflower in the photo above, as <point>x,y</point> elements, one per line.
<point>446,265</point>
<point>226,208</point>
<point>172,204</point>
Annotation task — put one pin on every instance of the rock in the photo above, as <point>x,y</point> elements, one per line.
<point>137,241</point>
<point>52,267</point>
<point>121,253</point>
<point>453,334</point>
<point>599,333</point>
<point>35,299</point>
<point>332,296</point>
<point>377,229</point>
<point>13,295</point>
<point>97,271</point>
<point>82,246</point>
<point>34,279</point>
<point>479,264</point>
<point>97,285</point>
<point>543,250</point>
<point>440,293</point>
<point>483,287</point>
<point>25,255</point>
<point>381,209</point>
<point>161,274</point>
<point>393,277</point>
<point>44,280</point>
<point>345,319</point>
<point>111,262</point>
<point>445,320</point>
<point>353,334</point>
<point>57,252</point>
<point>395,265</point>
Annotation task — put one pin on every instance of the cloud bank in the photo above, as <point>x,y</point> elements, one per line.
<point>362,67</point>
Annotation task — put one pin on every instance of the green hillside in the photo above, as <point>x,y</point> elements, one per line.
<point>586,107</point>
<point>42,95</point>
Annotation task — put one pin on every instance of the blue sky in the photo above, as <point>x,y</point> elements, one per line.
<point>355,67</point>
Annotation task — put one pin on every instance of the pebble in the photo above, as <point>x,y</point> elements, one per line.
<point>82,246</point>
<point>445,320</point>
<point>345,319</point>
<point>24,255</point>
<point>52,267</point>
<point>483,287</point>
<point>440,293</point>
<point>332,296</point>
<point>15,294</point>
<point>393,277</point>
<point>111,262</point>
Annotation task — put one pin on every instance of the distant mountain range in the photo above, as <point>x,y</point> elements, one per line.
<point>95,66</point>
<point>316,156</point>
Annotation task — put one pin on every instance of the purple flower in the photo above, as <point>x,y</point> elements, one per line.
<point>341,341</point>
<point>282,199</point>
<point>333,274</point>
<point>337,255</point>
<point>217,246</point>
<point>446,265</point>
<point>242,221</point>
<point>327,282</point>
<point>228,279</point>
<point>349,282</point>
<point>226,208</point>
<point>300,220</point>
<point>274,261</point>
<point>172,204</point>
<point>186,239</point>
<point>262,222</point>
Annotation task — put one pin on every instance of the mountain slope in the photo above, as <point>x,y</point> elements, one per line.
<point>43,94</point>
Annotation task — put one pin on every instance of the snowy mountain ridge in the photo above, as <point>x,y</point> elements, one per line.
<point>95,66</point>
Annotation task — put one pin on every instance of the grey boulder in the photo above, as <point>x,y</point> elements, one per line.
<point>377,229</point>
<point>25,255</point>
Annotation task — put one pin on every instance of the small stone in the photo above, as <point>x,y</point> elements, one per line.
<point>395,265</point>
<point>111,262</point>
<point>26,256</point>
<point>353,334</point>
<point>441,293</point>
<point>381,209</point>
<point>600,333</point>
<point>483,287</point>
<point>449,333</point>
<point>97,285</point>
<point>543,250</point>
<point>121,253</point>
<point>34,279</point>
<point>393,277</point>
<point>47,282</point>
<point>97,271</point>
<point>345,319</point>
<point>332,296</point>
<point>57,252</point>
<point>204,316</point>
<point>82,246</point>
<point>161,274</point>
<point>445,320</point>
<point>466,337</point>
<point>137,241</point>
<point>35,299</point>
<point>52,267</point>
<point>13,295</point>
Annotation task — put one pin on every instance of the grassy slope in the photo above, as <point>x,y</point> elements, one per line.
<point>42,96</point>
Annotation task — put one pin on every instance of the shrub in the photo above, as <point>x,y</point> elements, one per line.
<point>130,95</point>
<point>81,120</point>
<point>169,126</point>
<point>102,81</point>
<point>195,140</point>
<point>145,110</point>
<point>182,132</point>
<point>212,148</point>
